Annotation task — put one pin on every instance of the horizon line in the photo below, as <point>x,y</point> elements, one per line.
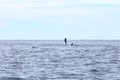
<point>60,39</point>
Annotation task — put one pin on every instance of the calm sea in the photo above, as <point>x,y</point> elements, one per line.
<point>52,60</point>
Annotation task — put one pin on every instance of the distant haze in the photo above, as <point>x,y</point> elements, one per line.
<point>57,19</point>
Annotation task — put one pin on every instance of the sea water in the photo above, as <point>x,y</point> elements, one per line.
<point>52,60</point>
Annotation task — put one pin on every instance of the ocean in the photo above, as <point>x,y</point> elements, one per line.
<point>52,60</point>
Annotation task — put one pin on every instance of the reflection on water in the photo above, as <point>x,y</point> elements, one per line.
<point>40,60</point>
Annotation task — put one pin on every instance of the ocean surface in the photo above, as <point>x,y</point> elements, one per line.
<point>52,60</point>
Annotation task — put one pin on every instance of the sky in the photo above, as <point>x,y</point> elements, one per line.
<point>57,19</point>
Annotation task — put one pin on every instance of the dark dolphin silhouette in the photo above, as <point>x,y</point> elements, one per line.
<point>71,44</point>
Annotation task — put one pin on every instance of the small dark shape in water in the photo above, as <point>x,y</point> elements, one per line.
<point>71,44</point>
<point>11,78</point>
<point>93,70</point>
<point>34,47</point>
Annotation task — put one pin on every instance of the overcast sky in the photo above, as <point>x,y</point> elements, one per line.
<point>56,19</point>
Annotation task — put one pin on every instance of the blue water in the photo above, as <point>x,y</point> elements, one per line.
<point>52,60</point>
